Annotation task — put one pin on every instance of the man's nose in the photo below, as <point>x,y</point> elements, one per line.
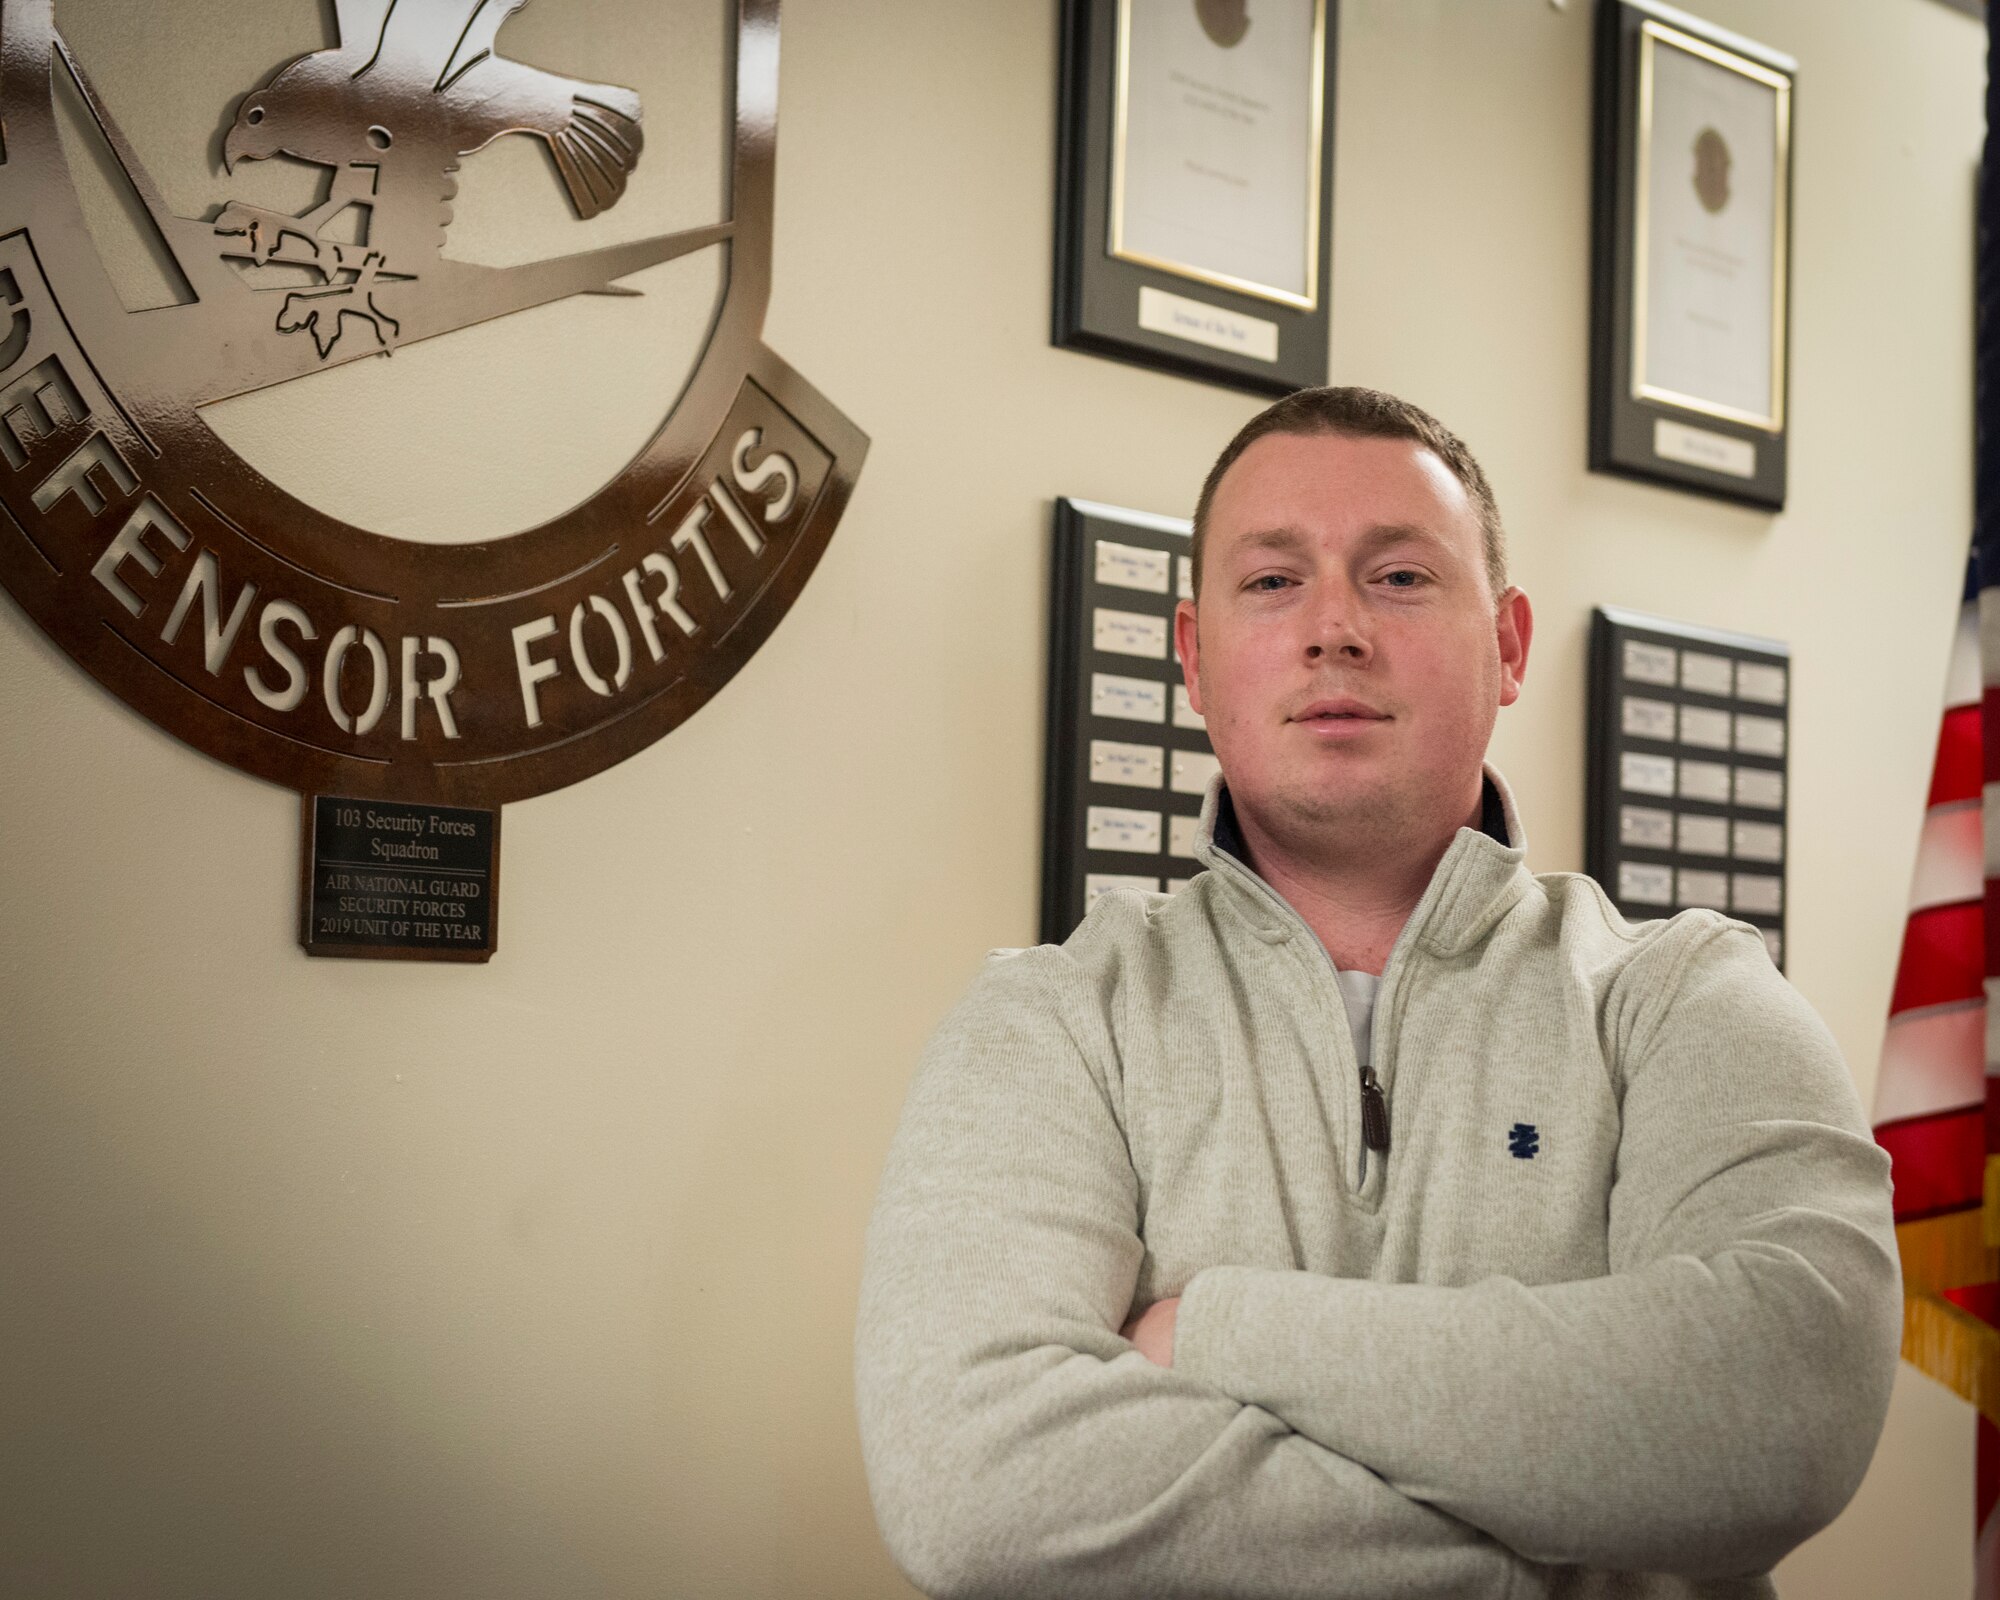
<point>1336,626</point>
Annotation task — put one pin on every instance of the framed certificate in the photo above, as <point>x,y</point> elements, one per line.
<point>1194,201</point>
<point>1128,757</point>
<point>1692,255</point>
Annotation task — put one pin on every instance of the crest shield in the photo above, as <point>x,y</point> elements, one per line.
<point>301,647</point>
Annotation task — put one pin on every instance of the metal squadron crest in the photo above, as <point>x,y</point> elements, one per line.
<point>297,646</point>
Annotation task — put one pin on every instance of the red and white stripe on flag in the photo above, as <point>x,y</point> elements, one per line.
<point>1936,1111</point>
<point>1930,1090</point>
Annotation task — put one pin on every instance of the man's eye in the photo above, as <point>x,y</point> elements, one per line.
<point>1403,578</point>
<point>1268,582</point>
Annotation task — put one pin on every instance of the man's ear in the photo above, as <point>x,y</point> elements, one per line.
<point>1187,645</point>
<point>1514,629</point>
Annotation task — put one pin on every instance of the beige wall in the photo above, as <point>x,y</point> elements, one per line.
<point>343,1279</point>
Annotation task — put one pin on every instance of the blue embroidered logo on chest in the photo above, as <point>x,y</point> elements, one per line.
<point>1523,1141</point>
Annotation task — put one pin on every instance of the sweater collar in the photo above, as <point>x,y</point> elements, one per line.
<point>1476,883</point>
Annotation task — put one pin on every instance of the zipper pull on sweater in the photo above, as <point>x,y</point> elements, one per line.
<point>1374,1112</point>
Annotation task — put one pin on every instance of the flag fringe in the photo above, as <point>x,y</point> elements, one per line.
<point>1947,1252</point>
<point>1942,1340</point>
<point>1956,1349</point>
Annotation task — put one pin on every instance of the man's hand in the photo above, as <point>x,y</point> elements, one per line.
<point>1152,1330</point>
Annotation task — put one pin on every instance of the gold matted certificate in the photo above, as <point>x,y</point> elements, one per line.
<point>1216,142</point>
<point>1708,331</point>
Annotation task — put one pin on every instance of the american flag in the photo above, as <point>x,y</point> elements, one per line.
<point>1933,1111</point>
<point>1936,1111</point>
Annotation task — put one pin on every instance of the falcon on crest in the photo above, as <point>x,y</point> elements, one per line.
<point>412,87</point>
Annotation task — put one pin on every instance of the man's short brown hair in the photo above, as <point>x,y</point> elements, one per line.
<point>1363,414</point>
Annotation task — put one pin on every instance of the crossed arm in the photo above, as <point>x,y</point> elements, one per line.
<point>1699,1411</point>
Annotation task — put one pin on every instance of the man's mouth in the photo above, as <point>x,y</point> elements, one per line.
<point>1333,713</point>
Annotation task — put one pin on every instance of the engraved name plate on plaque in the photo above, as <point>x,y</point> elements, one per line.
<point>389,880</point>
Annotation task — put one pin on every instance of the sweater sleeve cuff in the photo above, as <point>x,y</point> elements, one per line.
<point>1209,1325</point>
<point>1264,1337</point>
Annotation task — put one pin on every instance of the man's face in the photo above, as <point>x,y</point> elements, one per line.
<point>1348,653</point>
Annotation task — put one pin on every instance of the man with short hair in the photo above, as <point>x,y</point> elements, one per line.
<point>1373,1217</point>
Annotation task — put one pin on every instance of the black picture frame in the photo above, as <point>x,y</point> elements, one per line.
<point>1097,294</point>
<point>1636,431</point>
<point>1686,802</point>
<point>1138,711</point>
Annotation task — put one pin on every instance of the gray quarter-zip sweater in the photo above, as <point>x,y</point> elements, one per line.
<point>1615,1315</point>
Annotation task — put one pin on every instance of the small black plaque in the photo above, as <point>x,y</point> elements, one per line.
<point>396,882</point>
